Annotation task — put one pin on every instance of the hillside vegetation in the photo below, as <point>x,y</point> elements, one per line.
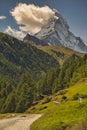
<point>28,74</point>
<point>17,60</point>
<point>58,52</point>
<point>72,70</point>
<point>64,111</point>
<point>17,57</point>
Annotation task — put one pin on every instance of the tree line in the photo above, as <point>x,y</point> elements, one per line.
<point>21,97</point>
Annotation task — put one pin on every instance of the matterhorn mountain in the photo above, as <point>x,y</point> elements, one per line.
<point>57,33</point>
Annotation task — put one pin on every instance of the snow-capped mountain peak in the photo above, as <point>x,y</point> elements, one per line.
<point>57,32</point>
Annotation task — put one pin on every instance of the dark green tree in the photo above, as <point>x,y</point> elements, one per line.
<point>25,92</point>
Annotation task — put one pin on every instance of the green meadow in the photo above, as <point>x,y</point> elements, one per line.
<point>68,114</point>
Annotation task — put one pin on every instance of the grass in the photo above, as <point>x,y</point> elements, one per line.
<point>62,116</point>
<point>10,115</point>
<point>41,107</point>
<point>79,88</point>
<point>66,115</point>
<point>4,116</point>
<point>7,115</point>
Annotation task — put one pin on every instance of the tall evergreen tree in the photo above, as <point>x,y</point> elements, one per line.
<point>25,92</point>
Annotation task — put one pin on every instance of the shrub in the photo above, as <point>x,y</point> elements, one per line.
<point>42,108</point>
<point>62,92</point>
<point>76,96</point>
<point>64,98</point>
<point>46,100</point>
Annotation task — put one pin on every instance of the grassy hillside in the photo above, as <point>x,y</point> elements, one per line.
<point>58,52</point>
<point>63,113</point>
<point>80,89</point>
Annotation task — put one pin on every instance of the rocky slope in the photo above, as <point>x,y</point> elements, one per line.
<point>33,40</point>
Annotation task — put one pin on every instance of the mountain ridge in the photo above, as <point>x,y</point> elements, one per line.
<point>34,41</point>
<point>57,33</point>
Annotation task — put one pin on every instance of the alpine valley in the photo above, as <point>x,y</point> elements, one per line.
<point>46,74</point>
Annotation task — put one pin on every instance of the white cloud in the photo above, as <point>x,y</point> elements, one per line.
<point>2,17</point>
<point>15,33</point>
<point>31,18</point>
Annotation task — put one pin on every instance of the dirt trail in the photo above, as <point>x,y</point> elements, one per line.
<point>18,123</point>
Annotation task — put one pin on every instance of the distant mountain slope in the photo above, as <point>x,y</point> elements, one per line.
<point>17,57</point>
<point>57,32</point>
<point>60,53</point>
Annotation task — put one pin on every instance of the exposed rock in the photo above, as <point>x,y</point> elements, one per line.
<point>33,40</point>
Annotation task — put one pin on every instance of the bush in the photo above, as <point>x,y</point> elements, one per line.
<point>62,92</point>
<point>42,108</point>
<point>46,100</point>
<point>76,96</point>
<point>64,98</point>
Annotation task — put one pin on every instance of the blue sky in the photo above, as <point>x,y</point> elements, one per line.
<point>74,11</point>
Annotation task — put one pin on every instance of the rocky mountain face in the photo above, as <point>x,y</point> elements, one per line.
<point>56,32</point>
<point>33,40</point>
